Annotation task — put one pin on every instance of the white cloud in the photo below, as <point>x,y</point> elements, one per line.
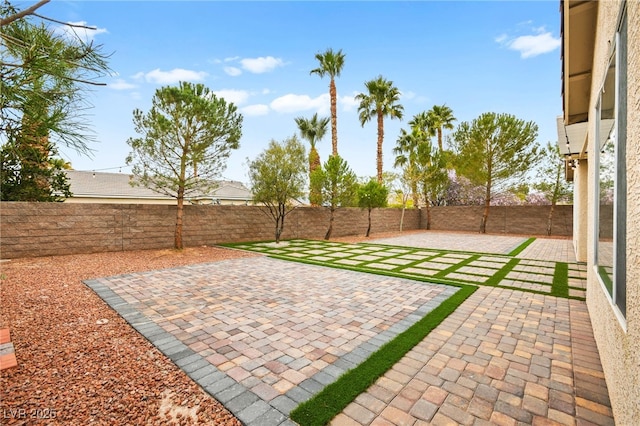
<point>262,64</point>
<point>233,71</point>
<point>349,102</point>
<point>407,95</point>
<point>257,109</point>
<point>168,77</point>
<point>231,95</point>
<point>85,34</point>
<point>120,84</point>
<point>294,103</point>
<point>530,45</point>
<point>231,58</point>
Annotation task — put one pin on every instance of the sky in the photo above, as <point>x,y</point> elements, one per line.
<point>475,57</point>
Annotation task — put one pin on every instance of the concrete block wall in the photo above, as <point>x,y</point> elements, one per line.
<point>522,220</point>
<point>44,229</point>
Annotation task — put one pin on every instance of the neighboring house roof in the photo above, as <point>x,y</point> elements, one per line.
<point>117,185</point>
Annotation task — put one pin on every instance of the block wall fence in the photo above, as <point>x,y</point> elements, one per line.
<point>45,229</point>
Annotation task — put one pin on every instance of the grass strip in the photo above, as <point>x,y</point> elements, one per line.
<point>325,405</point>
<point>516,251</point>
<point>432,279</point>
<point>369,270</point>
<point>496,278</point>
<point>457,266</point>
<point>560,284</point>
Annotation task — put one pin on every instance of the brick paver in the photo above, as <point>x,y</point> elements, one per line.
<point>508,358</point>
<point>263,335</point>
<point>268,327</point>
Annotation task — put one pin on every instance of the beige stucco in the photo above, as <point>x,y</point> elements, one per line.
<point>580,210</point>
<point>618,338</point>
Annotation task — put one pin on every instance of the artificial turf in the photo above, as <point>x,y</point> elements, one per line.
<point>322,407</point>
<point>516,251</point>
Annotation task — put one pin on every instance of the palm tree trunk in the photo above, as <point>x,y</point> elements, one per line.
<point>369,228</point>
<point>334,116</point>
<point>380,140</point>
<point>428,207</point>
<point>414,194</point>
<point>440,138</point>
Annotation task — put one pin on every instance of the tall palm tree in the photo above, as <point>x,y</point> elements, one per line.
<point>381,101</point>
<point>313,130</point>
<point>442,118</point>
<point>331,64</point>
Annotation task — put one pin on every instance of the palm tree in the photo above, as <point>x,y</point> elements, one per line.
<point>442,118</point>
<point>313,130</point>
<point>408,148</point>
<point>331,63</point>
<point>405,152</point>
<point>382,100</point>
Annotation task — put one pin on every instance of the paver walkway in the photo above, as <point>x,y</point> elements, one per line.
<point>262,334</point>
<point>497,268</point>
<point>502,358</point>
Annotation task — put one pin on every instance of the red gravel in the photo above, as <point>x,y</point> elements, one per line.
<point>76,369</point>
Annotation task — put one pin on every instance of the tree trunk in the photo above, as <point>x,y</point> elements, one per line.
<point>402,217</point>
<point>485,215</point>
<point>427,205</point>
<point>440,138</point>
<point>369,228</point>
<point>380,139</point>
<point>334,117</point>
<point>550,219</point>
<point>280,221</point>
<point>328,234</point>
<point>179,213</point>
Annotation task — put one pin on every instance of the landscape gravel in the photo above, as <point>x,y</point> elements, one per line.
<point>79,362</point>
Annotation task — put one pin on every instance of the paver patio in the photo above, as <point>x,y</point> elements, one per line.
<point>262,335</point>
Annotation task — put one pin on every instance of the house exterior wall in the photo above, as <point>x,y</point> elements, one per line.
<point>581,210</point>
<point>618,338</point>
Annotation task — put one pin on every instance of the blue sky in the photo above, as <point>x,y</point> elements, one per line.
<point>475,57</point>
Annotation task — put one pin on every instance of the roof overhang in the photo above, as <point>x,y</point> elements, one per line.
<point>572,141</point>
<point>578,22</point>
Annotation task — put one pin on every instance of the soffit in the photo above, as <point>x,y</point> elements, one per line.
<point>578,39</point>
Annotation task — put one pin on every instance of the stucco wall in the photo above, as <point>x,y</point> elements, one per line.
<point>619,339</point>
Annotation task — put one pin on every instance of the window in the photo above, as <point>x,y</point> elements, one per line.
<point>611,184</point>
